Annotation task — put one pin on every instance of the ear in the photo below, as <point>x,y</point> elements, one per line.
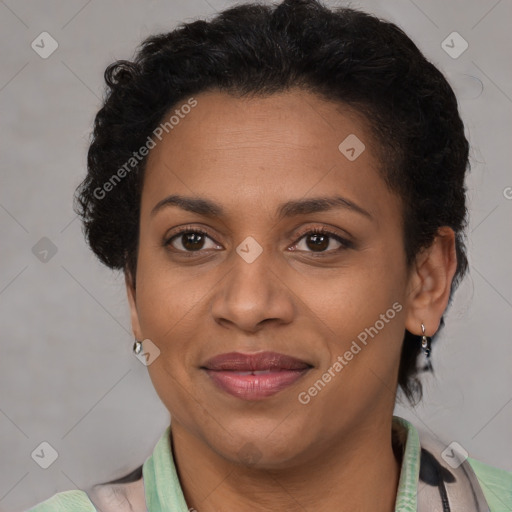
<point>430,282</point>
<point>130,292</point>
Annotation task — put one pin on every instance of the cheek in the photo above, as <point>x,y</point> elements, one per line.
<point>360,311</point>
<point>351,298</point>
<point>166,295</point>
<point>361,316</point>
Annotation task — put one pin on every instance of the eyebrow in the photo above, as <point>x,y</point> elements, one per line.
<point>292,208</point>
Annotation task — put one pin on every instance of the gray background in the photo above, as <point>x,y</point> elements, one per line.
<point>68,375</point>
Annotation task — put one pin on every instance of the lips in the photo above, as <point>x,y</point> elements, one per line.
<point>254,376</point>
<point>262,361</point>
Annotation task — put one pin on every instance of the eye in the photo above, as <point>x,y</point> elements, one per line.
<point>320,240</point>
<point>191,240</point>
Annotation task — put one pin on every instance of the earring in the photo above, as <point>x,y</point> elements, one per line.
<point>137,347</point>
<point>425,342</point>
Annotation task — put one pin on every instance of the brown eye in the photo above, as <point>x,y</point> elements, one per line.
<point>320,241</point>
<point>191,241</point>
<point>317,242</point>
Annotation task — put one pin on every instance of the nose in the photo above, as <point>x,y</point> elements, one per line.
<point>252,295</point>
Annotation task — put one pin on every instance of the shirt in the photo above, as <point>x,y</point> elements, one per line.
<point>163,493</point>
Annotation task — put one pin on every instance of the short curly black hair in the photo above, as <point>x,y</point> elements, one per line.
<point>343,55</point>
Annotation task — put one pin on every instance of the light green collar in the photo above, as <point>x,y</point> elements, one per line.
<point>163,490</point>
<point>161,484</point>
<point>410,471</point>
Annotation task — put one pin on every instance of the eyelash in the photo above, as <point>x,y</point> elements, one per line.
<point>345,244</point>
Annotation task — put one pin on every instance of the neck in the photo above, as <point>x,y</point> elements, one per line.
<point>361,473</point>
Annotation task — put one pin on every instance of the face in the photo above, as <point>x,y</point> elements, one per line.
<point>261,265</point>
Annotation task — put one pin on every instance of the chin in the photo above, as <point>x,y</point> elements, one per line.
<point>260,447</point>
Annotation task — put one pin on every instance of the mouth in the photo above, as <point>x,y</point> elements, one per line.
<point>254,376</point>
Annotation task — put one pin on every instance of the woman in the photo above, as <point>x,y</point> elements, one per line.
<point>283,188</point>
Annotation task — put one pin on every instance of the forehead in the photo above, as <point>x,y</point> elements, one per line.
<point>252,151</point>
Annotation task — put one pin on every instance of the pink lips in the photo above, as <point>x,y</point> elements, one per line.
<point>254,376</point>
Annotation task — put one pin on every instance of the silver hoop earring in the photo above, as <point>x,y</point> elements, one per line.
<point>425,342</point>
<point>137,347</point>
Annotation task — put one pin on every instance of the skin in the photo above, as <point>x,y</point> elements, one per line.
<point>249,156</point>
